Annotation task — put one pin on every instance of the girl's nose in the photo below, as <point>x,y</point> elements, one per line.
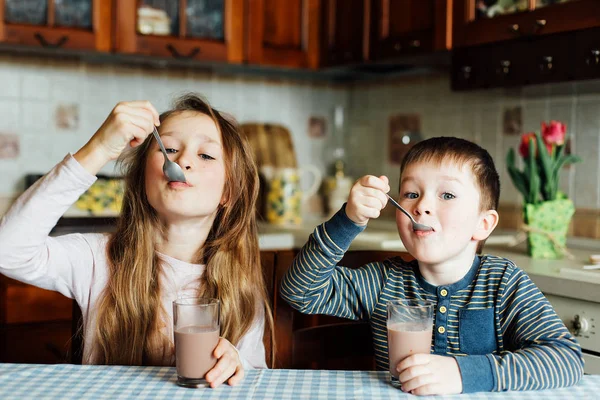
<point>185,161</point>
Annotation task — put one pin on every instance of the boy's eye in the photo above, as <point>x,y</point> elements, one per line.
<point>448,196</point>
<point>411,195</point>
<point>206,157</point>
<point>170,150</point>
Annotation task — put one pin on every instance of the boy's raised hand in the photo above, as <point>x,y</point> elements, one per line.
<point>367,198</point>
<point>428,374</point>
<point>129,123</point>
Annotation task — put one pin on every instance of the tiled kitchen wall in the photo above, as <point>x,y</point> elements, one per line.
<point>478,116</point>
<point>32,89</point>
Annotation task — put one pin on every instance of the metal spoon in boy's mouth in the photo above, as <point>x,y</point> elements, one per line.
<point>416,226</point>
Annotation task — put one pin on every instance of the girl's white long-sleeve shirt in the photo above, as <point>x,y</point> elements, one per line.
<point>76,264</point>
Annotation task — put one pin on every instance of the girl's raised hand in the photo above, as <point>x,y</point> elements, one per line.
<point>229,366</point>
<point>129,123</point>
<point>367,198</point>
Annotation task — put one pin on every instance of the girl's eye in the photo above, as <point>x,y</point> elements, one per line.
<point>170,150</point>
<point>448,196</point>
<point>206,157</point>
<point>411,195</point>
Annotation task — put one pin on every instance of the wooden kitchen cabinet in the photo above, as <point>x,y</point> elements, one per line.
<point>182,29</point>
<point>284,33</point>
<point>401,27</point>
<point>586,59</point>
<point>82,25</point>
<point>289,322</point>
<point>35,324</point>
<point>344,32</point>
<point>470,68</point>
<point>560,57</point>
<point>40,326</point>
<point>535,19</point>
<point>551,60</point>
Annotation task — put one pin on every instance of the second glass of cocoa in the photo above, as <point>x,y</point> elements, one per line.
<point>196,328</point>
<point>409,326</point>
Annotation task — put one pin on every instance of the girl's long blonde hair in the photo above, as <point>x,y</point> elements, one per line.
<point>130,316</point>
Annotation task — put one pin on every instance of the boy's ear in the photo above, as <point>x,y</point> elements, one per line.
<point>487,223</point>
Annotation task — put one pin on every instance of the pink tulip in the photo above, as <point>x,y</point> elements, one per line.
<point>554,133</point>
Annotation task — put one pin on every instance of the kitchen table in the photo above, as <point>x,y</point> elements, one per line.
<point>67,381</point>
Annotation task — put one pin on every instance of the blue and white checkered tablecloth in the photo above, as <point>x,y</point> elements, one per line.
<point>65,381</point>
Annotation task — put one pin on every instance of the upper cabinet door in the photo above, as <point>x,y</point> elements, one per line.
<point>68,24</point>
<point>284,33</point>
<point>409,26</point>
<point>184,29</point>
<point>344,31</point>
<point>477,22</point>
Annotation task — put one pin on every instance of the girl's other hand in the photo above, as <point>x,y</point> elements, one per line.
<point>129,123</point>
<point>229,366</point>
<point>367,198</point>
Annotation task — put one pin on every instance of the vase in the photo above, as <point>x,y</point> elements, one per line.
<point>547,224</point>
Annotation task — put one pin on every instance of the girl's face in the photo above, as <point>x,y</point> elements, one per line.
<point>192,141</point>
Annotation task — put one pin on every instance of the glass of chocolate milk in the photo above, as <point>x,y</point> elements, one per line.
<point>196,328</point>
<point>409,325</point>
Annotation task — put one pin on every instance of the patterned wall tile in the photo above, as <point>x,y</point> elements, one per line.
<point>9,146</point>
<point>10,80</point>
<point>587,187</point>
<point>35,116</point>
<point>588,118</point>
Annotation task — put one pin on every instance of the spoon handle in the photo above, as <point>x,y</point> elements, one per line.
<point>399,207</point>
<point>160,143</point>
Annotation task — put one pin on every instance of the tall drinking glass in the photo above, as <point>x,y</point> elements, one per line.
<point>409,326</point>
<point>196,327</point>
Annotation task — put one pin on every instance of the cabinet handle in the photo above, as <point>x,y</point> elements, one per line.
<point>193,53</point>
<point>594,58</point>
<point>504,67</point>
<point>546,65</point>
<point>515,28</point>
<point>539,24</point>
<point>45,43</point>
<point>415,44</point>
<point>466,71</point>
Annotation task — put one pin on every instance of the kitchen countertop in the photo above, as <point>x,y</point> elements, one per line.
<point>564,277</point>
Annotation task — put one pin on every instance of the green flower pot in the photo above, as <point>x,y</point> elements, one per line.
<point>552,217</point>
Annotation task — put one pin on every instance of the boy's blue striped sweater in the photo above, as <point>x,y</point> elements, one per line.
<point>496,323</point>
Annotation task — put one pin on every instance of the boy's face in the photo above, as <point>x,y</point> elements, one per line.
<point>446,198</point>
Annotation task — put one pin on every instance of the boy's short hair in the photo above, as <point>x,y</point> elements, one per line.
<point>461,152</point>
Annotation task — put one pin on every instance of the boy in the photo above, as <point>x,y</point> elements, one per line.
<point>493,329</point>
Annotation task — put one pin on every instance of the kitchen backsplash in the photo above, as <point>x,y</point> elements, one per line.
<point>478,116</point>
<point>39,95</point>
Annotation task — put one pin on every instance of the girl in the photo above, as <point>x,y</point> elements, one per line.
<point>172,239</point>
